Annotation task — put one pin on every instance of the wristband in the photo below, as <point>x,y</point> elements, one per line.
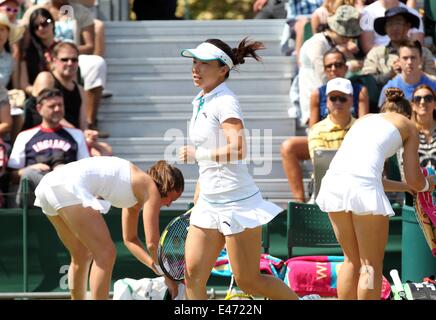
<point>426,187</point>
<point>158,268</point>
<point>203,154</point>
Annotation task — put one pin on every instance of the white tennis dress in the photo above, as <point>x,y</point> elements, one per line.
<point>96,182</point>
<point>229,199</point>
<point>353,181</point>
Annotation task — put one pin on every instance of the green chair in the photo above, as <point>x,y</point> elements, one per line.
<point>430,19</point>
<point>309,227</point>
<point>307,31</point>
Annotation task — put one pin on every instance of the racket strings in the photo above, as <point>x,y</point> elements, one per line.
<point>173,248</point>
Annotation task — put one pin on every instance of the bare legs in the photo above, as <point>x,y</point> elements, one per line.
<point>86,236</point>
<point>293,150</point>
<point>202,249</point>
<point>363,240</point>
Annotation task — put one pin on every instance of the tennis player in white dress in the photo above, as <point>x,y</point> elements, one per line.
<point>353,192</point>
<point>74,195</point>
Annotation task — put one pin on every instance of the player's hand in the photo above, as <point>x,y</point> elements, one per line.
<point>41,167</point>
<point>187,154</point>
<point>173,287</point>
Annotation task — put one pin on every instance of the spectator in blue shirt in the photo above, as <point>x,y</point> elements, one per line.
<point>411,76</point>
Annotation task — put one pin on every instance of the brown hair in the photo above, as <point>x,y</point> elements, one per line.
<point>427,87</point>
<point>411,45</point>
<point>246,48</point>
<point>166,177</point>
<point>62,45</point>
<point>48,93</point>
<point>395,102</point>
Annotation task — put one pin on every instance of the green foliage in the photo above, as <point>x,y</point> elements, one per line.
<point>215,9</point>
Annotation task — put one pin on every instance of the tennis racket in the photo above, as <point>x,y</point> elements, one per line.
<point>397,283</point>
<point>233,294</point>
<point>171,249</point>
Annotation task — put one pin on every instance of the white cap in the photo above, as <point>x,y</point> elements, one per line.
<point>206,52</point>
<point>339,84</point>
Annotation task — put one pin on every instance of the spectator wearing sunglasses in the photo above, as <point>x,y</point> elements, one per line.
<point>295,149</point>
<point>411,76</point>
<point>330,132</point>
<point>10,8</point>
<point>382,62</point>
<point>424,117</point>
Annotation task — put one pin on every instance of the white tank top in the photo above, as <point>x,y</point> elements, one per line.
<point>104,177</point>
<point>367,145</point>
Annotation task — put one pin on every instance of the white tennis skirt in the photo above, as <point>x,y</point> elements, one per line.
<point>233,217</point>
<point>54,193</point>
<point>359,195</point>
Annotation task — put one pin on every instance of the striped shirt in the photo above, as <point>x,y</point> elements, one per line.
<point>327,135</point>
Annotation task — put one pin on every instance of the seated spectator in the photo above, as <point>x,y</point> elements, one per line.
<point>39,150</point>
<point>295,149</point>
<point>269,9</point>
<point>80,30</point>
<point>319,17</point>
<point>382,61</point>
<point>11,33</point>
<point>424,116</point>
<point>63,77</point>
<point>370,38</point>
<point>330,132</point>
<point>335,67</point>
<point>411,76</point>
<point>343,26</point>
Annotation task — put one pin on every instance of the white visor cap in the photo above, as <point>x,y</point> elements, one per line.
<point>339,84</point>
<point>206,52</point>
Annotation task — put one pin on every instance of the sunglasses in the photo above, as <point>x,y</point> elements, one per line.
<point>69,59</point>
<point>427,98</point>
<point>337,65</point>
<point>43,24</point>
<point>342,99</point>
<point>10,9</point>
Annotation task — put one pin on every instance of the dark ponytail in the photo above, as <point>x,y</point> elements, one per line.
<point>246,48</point>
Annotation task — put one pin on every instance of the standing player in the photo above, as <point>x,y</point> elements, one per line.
<point>74,195</point>
<point>229,208</point>
<point>352,192</point>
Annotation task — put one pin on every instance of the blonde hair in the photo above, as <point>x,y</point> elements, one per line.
<point>166,177</point>
<point>395,102</point>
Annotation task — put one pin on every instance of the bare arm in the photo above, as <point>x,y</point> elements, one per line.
<point>5,118</point>
<point>197,192</point>
<point>367,41</point>
<point>314,108</point>
<point>363,102</point>
<point>130,217</point>
<point>87,43</point>
<point>412,172</point>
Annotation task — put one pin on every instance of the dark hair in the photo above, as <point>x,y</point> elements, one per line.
<point>246,48</point>
<point>166,177</point>
<point>334,50</point>
<point>62,45</point>
<point>35,41</point>
<point>48,93</point>
<point>410,44</point>
<point>427,87</point>
<point>395,102</point>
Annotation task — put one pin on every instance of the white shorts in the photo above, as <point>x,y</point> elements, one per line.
<point>359,195</point>
<point>233,217</point>
<point>93,70</point>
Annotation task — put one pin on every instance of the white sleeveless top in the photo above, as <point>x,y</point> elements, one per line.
<point>367,144</point>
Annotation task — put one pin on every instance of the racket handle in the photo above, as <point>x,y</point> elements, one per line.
<point>397,282</point>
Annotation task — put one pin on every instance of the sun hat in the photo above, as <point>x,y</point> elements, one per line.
<point>339,84</point>
<point>15,31</point>
<point>345,22</point>
<point>207,52</point>
<point>380,23</point>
